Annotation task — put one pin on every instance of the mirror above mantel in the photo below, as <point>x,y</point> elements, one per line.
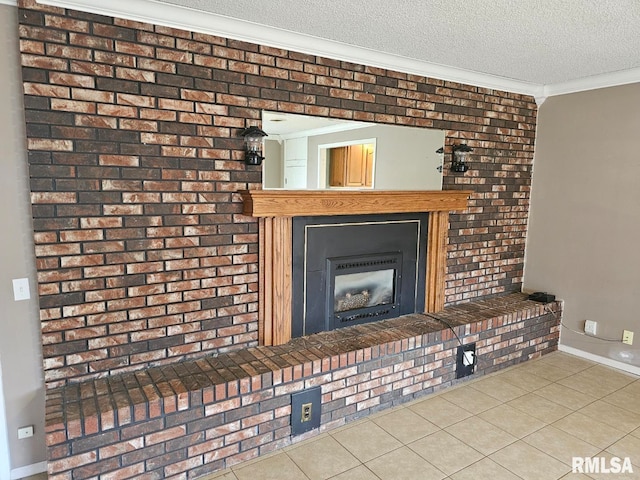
<point>317,153</point>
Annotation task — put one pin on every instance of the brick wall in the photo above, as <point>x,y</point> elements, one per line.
<point>143,257</point>
<point>188,422</point>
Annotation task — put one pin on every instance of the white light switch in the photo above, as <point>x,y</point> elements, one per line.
<point>25,432</point>
<point>21,289</point>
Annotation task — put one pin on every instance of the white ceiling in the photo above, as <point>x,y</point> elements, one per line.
<point>281,125</point>
<point>539,47</point>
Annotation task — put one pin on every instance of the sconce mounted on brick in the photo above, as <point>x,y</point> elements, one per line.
<point>253,145</point>
<point>461,155</point>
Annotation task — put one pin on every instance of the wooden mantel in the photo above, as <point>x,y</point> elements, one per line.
<point>296,203</point>
<point>276,208</point>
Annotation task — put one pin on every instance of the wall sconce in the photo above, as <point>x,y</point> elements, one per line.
<point>460,157</point>
<point>440,151</point>
<point>253,145</point>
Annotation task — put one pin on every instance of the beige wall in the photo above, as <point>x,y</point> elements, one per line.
<point>20,351</point>
<point>272,164</point>
<point>584,235</point>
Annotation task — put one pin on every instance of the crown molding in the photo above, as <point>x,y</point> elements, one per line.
<point>175,16</point>
<point>540,98</point>
<point>150,11</point>
<point>593,82</point>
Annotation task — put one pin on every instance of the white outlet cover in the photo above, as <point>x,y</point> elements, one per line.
<point>590,327</point>
<point>21,289</point>
<point>467,358</point>
<point>25,432</point>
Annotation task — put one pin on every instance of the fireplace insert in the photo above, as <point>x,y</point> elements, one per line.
<point>362,289</point>
<point>349,270</point>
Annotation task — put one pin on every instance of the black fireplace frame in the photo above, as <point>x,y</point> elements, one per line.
<point>403,233</point>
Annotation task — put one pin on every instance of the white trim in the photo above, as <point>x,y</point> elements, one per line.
<point>28,470</point>
<point>604,80</point>
<point>323,167</point>
<point>325,130</point>
<point>12,3</point>
<point>154,12</point>
<point>540,99</point>
<point>599,359</point>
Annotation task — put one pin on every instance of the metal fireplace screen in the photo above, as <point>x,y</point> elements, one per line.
<point>364,288</point>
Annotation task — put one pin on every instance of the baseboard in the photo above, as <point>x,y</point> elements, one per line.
<point>599,359</point>
<point>28,470</point>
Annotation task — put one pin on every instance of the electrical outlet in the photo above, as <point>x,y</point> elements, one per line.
<point>627,337</point>
<point>466,360</point>
<point>306,410</point>
<point>25,432</point>
<point>590,327</point>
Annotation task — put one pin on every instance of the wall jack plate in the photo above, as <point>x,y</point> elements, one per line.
<point>627,337</point>
<point>590,327</point>
<point>465,360</point>
<point>305,410</point>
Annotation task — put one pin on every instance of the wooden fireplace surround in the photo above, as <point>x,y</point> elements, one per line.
<point>275,210</point>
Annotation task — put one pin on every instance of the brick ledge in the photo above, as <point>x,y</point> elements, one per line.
<point>99,405</point>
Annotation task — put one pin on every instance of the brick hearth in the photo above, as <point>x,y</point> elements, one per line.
<point>200,416</point>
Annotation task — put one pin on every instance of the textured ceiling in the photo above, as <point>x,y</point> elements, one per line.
<point>537,41</point>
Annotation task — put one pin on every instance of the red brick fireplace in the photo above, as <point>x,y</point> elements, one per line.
<point>150,270</point>
<point>143,254</point>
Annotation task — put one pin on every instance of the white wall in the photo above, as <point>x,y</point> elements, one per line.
<point>583,243</point>
<point>20,350</point>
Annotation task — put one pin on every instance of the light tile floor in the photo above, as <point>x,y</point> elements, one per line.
<point>526,422</point>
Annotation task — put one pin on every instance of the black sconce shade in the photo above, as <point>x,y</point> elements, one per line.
<point>460,156</point>
<point>253,145</point>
